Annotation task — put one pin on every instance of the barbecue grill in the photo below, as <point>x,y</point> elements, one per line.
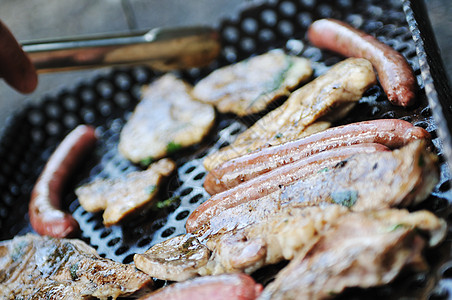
<point>107,101</point>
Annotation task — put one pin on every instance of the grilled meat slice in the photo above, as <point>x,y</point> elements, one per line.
<point>332,94</point>
<point>286,235</point>
<point>120,197</point>
<point>269,242</point>
<point>361,250</point>
<point>166,119</point>
<point>398,178</point>
<point>245,249</point>
<point>249,86</point>
<point>280,237</point>
<point>222,287</point>
<point>176,259</point>
<point>34,267</point>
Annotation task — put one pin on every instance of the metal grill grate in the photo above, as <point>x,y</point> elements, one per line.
<point>107,101</point>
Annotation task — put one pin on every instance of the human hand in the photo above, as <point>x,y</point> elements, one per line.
<point>15,66</point>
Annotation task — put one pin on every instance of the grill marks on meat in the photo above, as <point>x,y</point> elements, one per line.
<point>121,197</point>
<point>222,287</point>
<point>337,91</point>
<point>362,250</point>
<point>33,267</point>
<point>249,86</point>
<point>166,119</point>
<point>364,181</point>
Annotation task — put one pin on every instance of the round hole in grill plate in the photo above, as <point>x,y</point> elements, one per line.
<point>182,215</point>
<point>114,241</point>
<point>199,176</point>
<point>168,232</point>
<point>121,250</point>
<point>196,198</point>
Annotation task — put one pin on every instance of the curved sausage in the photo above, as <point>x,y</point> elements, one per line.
<point>395,74</point>
<point>270,182</point>
<point>236,286</point>
<point>46,218</point>
<point>392,133</point>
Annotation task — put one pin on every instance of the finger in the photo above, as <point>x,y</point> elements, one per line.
<point>15,66</point>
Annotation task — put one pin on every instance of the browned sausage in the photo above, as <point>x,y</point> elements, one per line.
<point>46,218</point>
<point>236,286</point>
<point>392,133</point>
<point>395,74</point>
<point>269,182</point>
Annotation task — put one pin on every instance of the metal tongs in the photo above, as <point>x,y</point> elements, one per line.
<point>161,48</point>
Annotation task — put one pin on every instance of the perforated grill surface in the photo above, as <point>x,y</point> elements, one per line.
<point>107,101</point>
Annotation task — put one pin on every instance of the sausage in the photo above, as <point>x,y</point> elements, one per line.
<point>46,218</point>
<point>270,182</point>
<point>395,74</point>
<point>392,133</point>
<point>220,287</point>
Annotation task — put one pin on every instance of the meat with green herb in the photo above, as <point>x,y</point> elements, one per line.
<point>120,197</point>
<point>272,181</point>
<point>392,133</point>
<point>166,119</point>
<point>397,178</point>
<point>251,85</point>
<point>309,109</point>
<point>361,250</point>
<point>283,236</point>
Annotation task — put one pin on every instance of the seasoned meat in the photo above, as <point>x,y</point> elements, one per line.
<point>281,237</point>
<point>249,86</point>
<point>400,178</point>
<point>166,119</point>
<point>34,267</point>
<point>330,96</point>
<point>175,259</point>
<point>397,178</point>
<point>271,241</point>
<point>120,197</point>
<point>276,179</point>
<point>361,250</point>
<point>222,287</point>
<point>238,250</point>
